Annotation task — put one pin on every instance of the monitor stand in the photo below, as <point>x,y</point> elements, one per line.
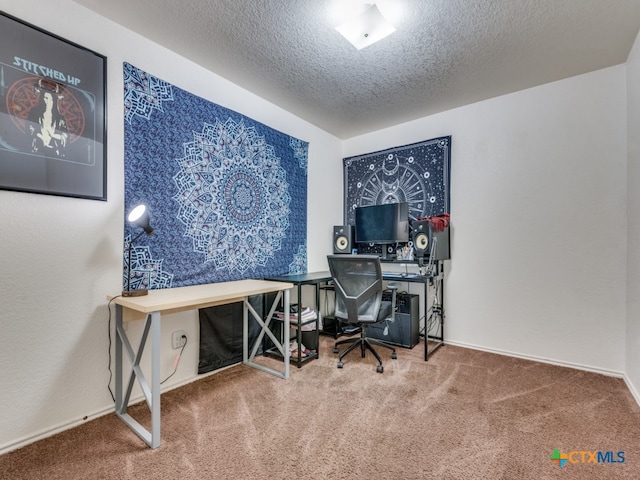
<point>388,252</point>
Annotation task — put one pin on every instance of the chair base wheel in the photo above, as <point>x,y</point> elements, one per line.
<point>335,349</point>
<point>394,356</point>
<point>379,369</point>
<point>340,364</point>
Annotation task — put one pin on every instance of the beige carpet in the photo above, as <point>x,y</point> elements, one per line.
<point>463,415</point>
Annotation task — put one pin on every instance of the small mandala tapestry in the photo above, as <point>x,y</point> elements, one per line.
<point>227,195</point>
<point>417,174</point>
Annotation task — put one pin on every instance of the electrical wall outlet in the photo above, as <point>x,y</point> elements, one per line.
<point>178,339</point>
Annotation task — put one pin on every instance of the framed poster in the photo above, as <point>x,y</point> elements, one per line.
<point>52,114</point>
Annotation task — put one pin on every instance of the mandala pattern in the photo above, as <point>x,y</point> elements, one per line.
<point>143,93</point>
<point>417,174</point>
<point>233,196</point>
<point>145,272</point>
<point>227,194</point>
<point>300,152</point>
<point>299,264</point>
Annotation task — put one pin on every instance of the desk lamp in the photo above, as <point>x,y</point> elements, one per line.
<point>139,217</point>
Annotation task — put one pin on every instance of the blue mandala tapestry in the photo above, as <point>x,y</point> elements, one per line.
<point>227,195</point>
<point>417,174</point>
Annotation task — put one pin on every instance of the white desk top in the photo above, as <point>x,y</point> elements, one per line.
<point>198,296</point>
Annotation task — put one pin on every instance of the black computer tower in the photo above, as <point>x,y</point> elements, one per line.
<point>405,330</point>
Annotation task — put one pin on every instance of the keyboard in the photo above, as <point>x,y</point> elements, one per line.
<point>399,276</point>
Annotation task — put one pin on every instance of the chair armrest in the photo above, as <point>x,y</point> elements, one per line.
<point>394,290</point>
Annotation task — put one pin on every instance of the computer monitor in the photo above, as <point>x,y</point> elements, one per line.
<point>385,223</point>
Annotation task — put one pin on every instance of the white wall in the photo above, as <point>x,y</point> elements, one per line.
<point>60,257</point>
<point>633,222</point>
<point>538,219</point>
<point>538,240</point>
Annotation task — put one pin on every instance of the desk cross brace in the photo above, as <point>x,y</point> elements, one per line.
<point>152,392</point>
<point>264,328</point>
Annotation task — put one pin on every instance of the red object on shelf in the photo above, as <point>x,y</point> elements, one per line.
<point>438,222</point>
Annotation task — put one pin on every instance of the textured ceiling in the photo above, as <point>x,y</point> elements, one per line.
<point>444,54</point>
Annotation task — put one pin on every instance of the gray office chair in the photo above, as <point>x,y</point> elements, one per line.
<point>358,301</point>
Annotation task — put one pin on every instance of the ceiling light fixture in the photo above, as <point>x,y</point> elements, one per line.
<point>366,28</point>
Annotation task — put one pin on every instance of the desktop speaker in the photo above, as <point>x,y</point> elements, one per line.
<point>343,239</point>
<point>423,235</point>
<point>420,235</point>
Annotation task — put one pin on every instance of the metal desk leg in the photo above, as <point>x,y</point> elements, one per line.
<point>318,320</point>
<point>426,320</point>
<point>299,330</point>
<point>299,327</point>
<point>439,299</point>
<point>152,393</point>
<point>287,331</point>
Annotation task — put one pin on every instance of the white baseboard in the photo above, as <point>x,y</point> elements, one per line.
<point>49,432</point>
<point>603,371</point>
<point>632,389</point>
<point>550,361</point>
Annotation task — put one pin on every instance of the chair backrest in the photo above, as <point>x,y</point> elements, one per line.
<point>358,286</point>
